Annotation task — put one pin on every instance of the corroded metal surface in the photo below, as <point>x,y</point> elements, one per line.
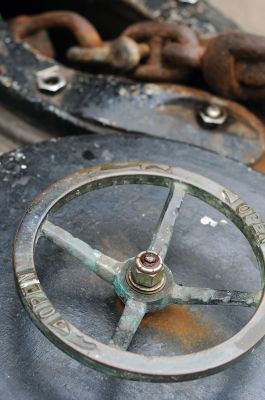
<point>130,320</point>
<point>164,230</point>
<point>121,54</point>
<point>121,105</point>
<point>232,63</point>
<point>110,359</point>
<point>147,273</point>
<point>234,66</point>
<point>84,32</point>
<point>159,51</point>
<point>103,266</point>
<point>161,37</point>
<point>35,367</point>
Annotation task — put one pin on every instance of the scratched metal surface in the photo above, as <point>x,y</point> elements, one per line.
<point>120,223</point>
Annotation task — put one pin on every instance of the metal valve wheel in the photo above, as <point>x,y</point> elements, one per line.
<point>144,283</point>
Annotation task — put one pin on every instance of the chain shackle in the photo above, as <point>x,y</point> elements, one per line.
<point>234,66</point>
<point>174,50</point>
<point>84,32</point>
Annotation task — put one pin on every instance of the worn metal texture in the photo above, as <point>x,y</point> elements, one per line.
<point>202,16</point>
<point>234,66</point>
<point>158,36</point>
<point>165,291</point>
<point>232,63</point>
<point>107,104</point>
<point>85,34</point>
<point>33,367</point>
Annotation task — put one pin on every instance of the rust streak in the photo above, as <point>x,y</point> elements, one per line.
<point>177,322</point>
<point>260,165</point>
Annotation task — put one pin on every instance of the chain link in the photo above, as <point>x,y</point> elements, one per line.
<point>232,64</point>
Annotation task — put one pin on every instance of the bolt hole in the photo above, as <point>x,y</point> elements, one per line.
<point>88,155</point>
<point>51,80</point>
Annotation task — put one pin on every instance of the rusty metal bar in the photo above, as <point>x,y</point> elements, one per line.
<point>164,230</point>
<point>123,53</point>
<point>205,296</point>
<point>84,32</point>
<point>105,267</point>
<point>131,318</point>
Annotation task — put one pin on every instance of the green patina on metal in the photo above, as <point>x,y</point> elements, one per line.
<point>114,359</point>
<point>165,226</point>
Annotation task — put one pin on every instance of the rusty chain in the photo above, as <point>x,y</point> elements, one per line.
<point>232,64</point>
<point>83,30</point>
<point>159,36</point>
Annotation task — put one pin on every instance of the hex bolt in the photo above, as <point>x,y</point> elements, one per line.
<point>149,262</point>
<point>51,80</point>
<point>147,274</point>
<point>149,258</point>
<point>213,115</point>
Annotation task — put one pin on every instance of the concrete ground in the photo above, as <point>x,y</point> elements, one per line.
<point>248,13</point>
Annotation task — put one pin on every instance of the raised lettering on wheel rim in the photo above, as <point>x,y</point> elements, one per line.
<point>100,356</point>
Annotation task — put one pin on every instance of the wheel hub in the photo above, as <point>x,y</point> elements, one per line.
<point>131,276</point>
<point>147,273</point>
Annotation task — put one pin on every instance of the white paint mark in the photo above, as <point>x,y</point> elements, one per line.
<point>209,221</point>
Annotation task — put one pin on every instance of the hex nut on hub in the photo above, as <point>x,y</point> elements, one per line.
<point>147,274</point>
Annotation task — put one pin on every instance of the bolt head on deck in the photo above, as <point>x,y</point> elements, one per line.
<point>51,80</point>
<point>213,115</point>
<point>147,274</point>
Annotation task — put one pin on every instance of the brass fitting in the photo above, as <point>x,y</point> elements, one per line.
<point>147,274</point>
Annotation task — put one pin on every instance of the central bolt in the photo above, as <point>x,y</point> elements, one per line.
<point>149,262</point>
<point>147,274</point>
<point>149,258</point>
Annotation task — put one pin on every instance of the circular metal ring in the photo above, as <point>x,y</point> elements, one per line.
<point>106,358</point>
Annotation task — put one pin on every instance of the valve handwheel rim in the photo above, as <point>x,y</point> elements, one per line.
<point>151,285</point>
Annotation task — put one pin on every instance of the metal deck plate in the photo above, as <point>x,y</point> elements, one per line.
<point>206,251</point>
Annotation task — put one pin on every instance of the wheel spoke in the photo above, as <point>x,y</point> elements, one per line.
<point>205,296</point>
<point>164,230</point>
<point>105,267</point>
<point>130,320</point>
